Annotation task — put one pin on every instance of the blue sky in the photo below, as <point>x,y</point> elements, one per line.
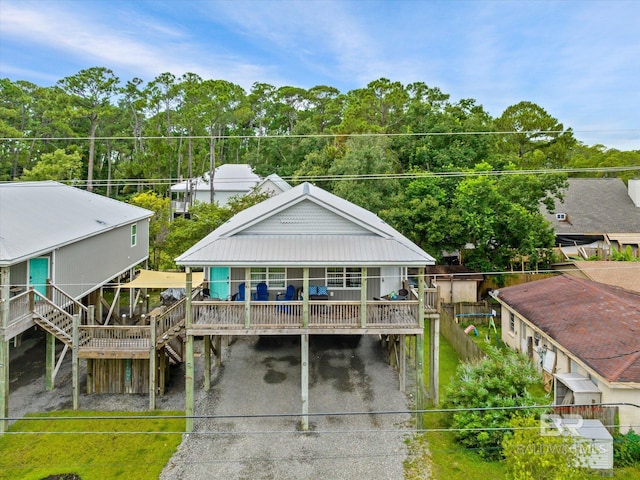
<point>579,60</point>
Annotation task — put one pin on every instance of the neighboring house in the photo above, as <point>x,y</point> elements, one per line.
<point>619,274</point>
<point>229,180</point>
<point>339,259</point>
<point>584,333</point>
<point>273,185</point>
<point>595,215</point>
<point>58,246</point>
<point>455,283</point>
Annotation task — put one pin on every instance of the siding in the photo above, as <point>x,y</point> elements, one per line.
<point>81,267</point>
<point>306,218</point>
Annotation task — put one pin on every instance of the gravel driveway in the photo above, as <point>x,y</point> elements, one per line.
<point>259,378</point>
<point>263,377</point>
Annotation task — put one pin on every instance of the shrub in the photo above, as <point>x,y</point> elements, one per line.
<point>626,449</point>
<point>499,380</point>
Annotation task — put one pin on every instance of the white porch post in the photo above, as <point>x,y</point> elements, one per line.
<point>4,347</point>
<point>363,298</point>
<point>304,361</point>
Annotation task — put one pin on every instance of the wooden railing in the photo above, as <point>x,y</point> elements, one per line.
<point>66,302</point>
<point>129,337</point>
<point>322,314</point>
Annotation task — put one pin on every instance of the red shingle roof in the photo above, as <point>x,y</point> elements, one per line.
<point>598,323</point>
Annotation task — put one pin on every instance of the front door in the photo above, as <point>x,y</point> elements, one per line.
<point>39,274</point>
<point>219,282</point>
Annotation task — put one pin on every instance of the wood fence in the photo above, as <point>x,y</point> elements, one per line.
<point>463,345</point>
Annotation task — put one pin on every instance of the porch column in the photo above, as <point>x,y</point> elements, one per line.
<point>189,367</point>
<point>363,298</point>
<point>247,297</point>
<point>207,362</point>
<point>5,283</point>
<point>305,297</point>
<point>153,355</point>
<point>75,375</point>
<point>50,361</point>
<point>402,367</point>
<point>420,350</point>
<point>304,362</point>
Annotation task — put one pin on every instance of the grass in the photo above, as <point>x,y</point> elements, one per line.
<point>91,445</point>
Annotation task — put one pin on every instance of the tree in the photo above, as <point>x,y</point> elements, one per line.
<point>58,165</point>
<point>159,223</point>
<point>532,456</point>
<point>485,394</point>
<point>536,138</point>
<point>90,91</point>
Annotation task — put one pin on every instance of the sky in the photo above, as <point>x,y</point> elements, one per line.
<point>578,59</point>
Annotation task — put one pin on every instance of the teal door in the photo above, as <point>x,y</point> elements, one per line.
<point>219,282</point>
<point>38,274</point>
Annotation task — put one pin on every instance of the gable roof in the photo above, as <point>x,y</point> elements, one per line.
<point>279,231</point>
<point>276,181</point>
<point>229,177</point>
<point>597,323</point>
<point>595,206</point>
<point>37,217</point>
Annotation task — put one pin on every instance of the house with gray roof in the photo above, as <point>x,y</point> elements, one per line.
<point>595,215</point>
<point>583,336</point>
<point>273,185</point>
<point>58,246</point>
<point>308,262</point>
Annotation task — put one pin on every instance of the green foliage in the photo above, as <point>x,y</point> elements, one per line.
<point>623,256</point>
<point>159,224</point>
<point>532,456</point>
<point>626,449</point>
<point>500,380</point>
<point>92,448</point>
<point>58,165</point>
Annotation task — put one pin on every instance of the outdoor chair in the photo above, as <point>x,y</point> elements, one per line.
<point>240,295</point>
<point>288,296</point>
<point>262,292</point>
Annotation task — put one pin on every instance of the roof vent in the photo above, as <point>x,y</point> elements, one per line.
<point>561,217</point>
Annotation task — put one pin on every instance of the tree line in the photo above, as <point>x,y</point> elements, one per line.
<point>398,150</point>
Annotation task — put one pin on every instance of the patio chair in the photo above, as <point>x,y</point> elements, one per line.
<point>262,292</point>
<point>288,296</point>
<point>239,297</point>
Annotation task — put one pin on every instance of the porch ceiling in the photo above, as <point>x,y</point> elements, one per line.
<point>305,250</point>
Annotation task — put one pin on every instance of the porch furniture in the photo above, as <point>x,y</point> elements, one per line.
<point>239,297</point>
<point>287,296</point>
<point>262,292</point>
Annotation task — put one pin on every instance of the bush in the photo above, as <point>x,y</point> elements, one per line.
<point>626,449</point>
<point>499,380</point>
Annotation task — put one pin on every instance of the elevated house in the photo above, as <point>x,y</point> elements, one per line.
<point>583,336</point>
<point>595,215</point>
<point>229,180</point>
<point>306,262</point>
<point>58,247</point>
<point>273,185</point>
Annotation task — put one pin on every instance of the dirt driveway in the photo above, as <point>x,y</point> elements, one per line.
<point>261,377</point>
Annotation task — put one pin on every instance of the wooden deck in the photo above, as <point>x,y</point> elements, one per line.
<point>288,318</point>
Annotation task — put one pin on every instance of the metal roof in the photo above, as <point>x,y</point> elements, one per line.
<point>228,177</point>
<point>277,181</point>
<point>37,217</point>
<point>378,244</point>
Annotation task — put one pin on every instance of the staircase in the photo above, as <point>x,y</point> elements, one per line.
<point>54,317</point>
<point>172,342</point>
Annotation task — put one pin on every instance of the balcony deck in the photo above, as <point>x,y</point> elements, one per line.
<point>287,318</point>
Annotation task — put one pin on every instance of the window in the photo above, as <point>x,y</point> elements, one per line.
<point>344,277</point>
<point>134,234</point>
<point>274,277</point>
<point>512,322</point>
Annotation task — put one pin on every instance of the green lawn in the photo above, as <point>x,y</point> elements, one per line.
<point>90,444</point>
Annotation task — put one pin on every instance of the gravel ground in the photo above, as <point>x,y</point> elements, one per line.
<point>261,377</point>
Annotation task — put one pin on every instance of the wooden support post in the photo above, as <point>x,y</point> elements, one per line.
<point>402,367</point>
<point>189,367</point>
<point>304,363</point>
<point>305,297</point>
<point>217,346</point>
<point>5,294</point>
<point>247,297</point>
<point>50,362</point>
<point>363,298</point>
<point>434,362</point>
<point>91,320</point>
<point>153,355</point>
<point>207,363</point>
<point>419,381</point>
<point>75,374</point>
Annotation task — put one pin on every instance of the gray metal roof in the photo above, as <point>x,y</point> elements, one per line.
<point>37,217</point>
<point>595,206</point>
<point>277,181</point>
<point>377,244</point>
<point>229,177</point>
